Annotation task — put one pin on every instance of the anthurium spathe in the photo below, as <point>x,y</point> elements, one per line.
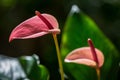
<point>35,26</point>
<point>83,56</point>
<point>89,56</point>
<point>86,55</point>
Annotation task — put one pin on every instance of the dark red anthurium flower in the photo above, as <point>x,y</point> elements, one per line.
<point>85,56</point>
<point>36,26</point>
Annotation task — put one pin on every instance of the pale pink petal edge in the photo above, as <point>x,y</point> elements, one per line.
<point>82,61</point>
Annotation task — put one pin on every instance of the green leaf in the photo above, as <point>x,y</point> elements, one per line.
<point>10,69</point>
<point>78,28</point>
<point>44,73</point>
<point>25,67</point>
<point>32,68</point>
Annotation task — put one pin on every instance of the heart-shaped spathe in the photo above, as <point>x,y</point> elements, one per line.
<point>35,27</point>
<point>84,56</point>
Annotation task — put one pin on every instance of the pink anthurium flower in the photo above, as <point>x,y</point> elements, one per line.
<point>36,26</point>
<point>89,56</point>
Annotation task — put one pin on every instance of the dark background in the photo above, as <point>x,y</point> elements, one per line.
<point>106,14</point>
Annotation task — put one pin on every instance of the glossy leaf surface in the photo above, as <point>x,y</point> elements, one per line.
<point>10,69</point>
<point>78,28</point>
<point>23,68</point>
<point>32,68</point>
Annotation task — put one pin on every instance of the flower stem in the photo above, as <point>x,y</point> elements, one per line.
<point>98,73</point>
<point>59,56</point>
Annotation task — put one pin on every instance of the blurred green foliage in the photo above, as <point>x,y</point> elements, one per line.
<point>78,28</point>
<point>33,69</point>
<point>22,68</point>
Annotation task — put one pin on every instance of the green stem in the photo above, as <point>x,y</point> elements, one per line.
<point>59,56</point>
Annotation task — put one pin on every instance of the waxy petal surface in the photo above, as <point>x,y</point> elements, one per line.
<point>34,27</point>
<point>84,56</point>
